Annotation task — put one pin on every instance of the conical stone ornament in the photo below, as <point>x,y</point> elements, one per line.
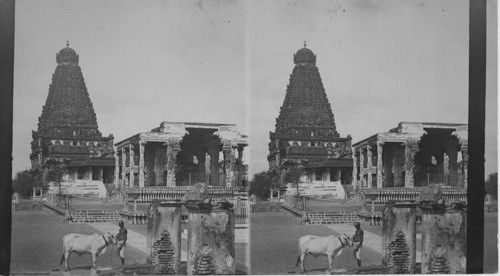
<point>438,262</point>
<point>205,265</point>
<point>163,255</point>
<point>398,254</point>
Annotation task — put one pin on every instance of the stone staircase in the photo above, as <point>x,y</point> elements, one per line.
<point>88,216</point>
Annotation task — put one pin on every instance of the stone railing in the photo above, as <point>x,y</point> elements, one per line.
<point>137,217</point>
<point>265,207</point>
<point>150,194</point>
<point>27,206</point>
<point>370,218</point>
<point>91,216</point>
<point>385,195</point>
<point>491,208</point>
<point>329,217</point>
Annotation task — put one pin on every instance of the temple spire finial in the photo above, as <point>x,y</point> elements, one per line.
<point>305,43</point>
<point>67,43</point>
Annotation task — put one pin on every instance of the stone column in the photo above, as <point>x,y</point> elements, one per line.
<point>173,148</point>
<point>465,159</point>
<point>158,165</point>
<point>100,174</point>
<point>116,180</point>
<point>213,151</point>
<point>452,166</point>
<point>89,173</point>
<point>164,216</point>
<point>211,238</point>
<point>400,216</point>
<point>354,169</point>
<point>124,167</point>
<point>228,152</point>
<point>141,163</point>
<point>369,166</point>
<point>380,179</point>
<point>361,168</point>
<point>131,165</point>
<point>444,238</point>
<point>228,168</point>
<point>240,167</point>
<point>411,148</point>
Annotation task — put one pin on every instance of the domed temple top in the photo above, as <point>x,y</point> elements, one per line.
<point>67,56</point>
<point>304,56</point>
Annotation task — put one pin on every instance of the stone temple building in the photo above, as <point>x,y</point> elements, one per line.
<point>67,129</point>
<point>411,155</point>
<point>182,154</point>
<point>305,133</point>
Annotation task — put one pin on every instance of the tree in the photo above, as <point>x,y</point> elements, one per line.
<point>261,184</point>
<point>491,185</point>
<point>55,174</point>
<point>293,175</point>
<point>23,183</point>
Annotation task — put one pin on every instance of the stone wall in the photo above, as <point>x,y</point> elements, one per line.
<point>444,239</point>
<point>400,217</point>
<point>164,230</point>
<point>211,241</point>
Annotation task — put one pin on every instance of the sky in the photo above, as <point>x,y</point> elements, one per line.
<point>382,62</point>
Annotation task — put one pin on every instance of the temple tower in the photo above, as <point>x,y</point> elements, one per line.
<point>67,129</point>
<point>305,128</point>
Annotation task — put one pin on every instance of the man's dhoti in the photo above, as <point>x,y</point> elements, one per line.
<point>121,252</point>
<point>358,252</point>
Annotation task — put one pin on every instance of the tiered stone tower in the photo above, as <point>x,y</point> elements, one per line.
<point>67,129</point>
<point>305,128</point>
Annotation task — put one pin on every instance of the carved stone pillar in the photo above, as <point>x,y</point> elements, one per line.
<point>131,165</point>
<point>354,169</point>
<point>201,162</point>
<point>228,152</point>
<point>100,174</point>
<point>213,151</point>
<point>173,148</point>
<point>124,168</point>
<point>141,163</point>
<point>452,152</point>
<point>369,166</point>
<point>164,217</point>
<point>240,166</point>
<point>400,217</point>
<point>211,232</point>
<point>465,159</point>
<point>116,180</point>
<point>159,153</point>
<point>361,169</point>
<point>411,148</point>
<point>380,179</point>
<point>444,238</point>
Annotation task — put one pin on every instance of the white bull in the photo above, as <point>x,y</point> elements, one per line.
<point>330,246</point>
<point>94,244</point>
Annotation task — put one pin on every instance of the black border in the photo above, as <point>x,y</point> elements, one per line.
<point>477,92</point>
<point>476,139</point>
<point>7,12</point>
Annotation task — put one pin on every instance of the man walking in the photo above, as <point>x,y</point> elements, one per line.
<point>121,239</point>
<point>358,242</point>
